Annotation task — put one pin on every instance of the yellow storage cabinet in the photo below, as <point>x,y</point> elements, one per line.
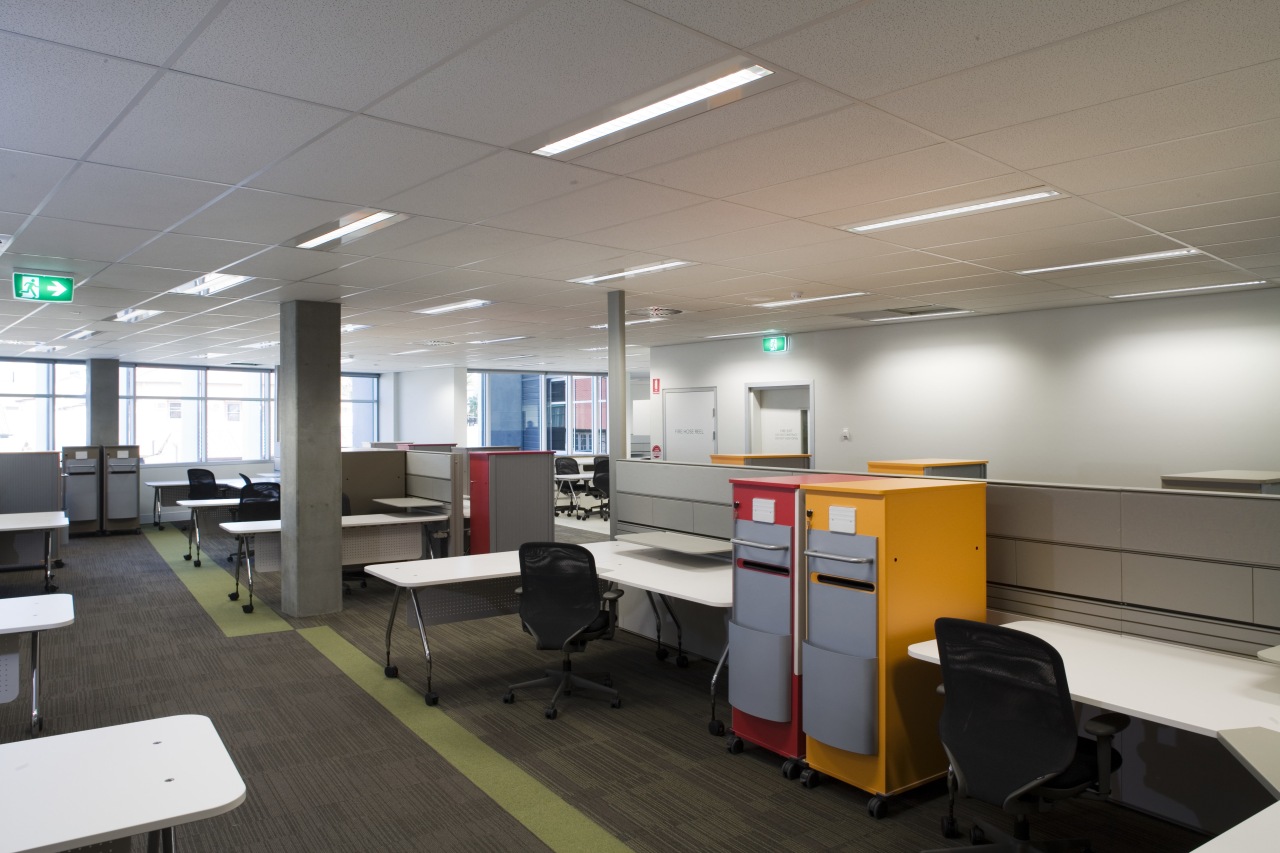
<point>885,558</point>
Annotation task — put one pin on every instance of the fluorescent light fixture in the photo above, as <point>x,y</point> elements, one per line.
<point>918,317</point>
<point>958,210</point>
<point>351,327</point>
<point>599,349</point>
<point>358,225</point>
<point>783,303</point>
<point>212,355</point>
<point>513,357</point>
<point>409,352</point>
<point>1188,289</point>
<point>261,345</point>
<point>133,315</point>
<point>20,343</point>
<point>500,340</point>
<point>666,105</point>
<point>645,270</point>
<point>82,335</point>
<point>346,358</point>
<point>1128,259</point>
<point>628,323</point>
<point>454,306</point>
<point>207,285</point>
<point>742,334</point>
<point>45,348</point>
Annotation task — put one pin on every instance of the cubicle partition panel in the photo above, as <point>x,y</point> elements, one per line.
<point>369,474</point>
<point>886,557</point>
<point>437,476</point>
<point>40,477</point>
<point>512,499</point>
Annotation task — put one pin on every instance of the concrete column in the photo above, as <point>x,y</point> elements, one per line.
<point>310,459</point>
<point>103,387</point>
<point>619,425</point>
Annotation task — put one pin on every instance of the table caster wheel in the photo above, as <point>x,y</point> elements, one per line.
<point>431,698</point>
<point>508,698</point>
<point>716,728</point>
<point>810,778</point>
<point>616,702</point>
<point>186,556</point>
<point>977,836</point>
<point>58,564</point>
<point>391,671</point>
<point>550,713</point>
<point>247,608</point>
<point>682,661</point>
<point>51,587</point>
<point>950,827</point>
<point>196,564</point>
<point>735,744</point>
<point>878,807</point>
<point>791,769</point>
<point>233,596</point>
<point>159,527</point>
<point>661,654</point>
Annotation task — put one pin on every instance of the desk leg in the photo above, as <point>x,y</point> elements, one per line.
<point>37,719</point>
<point>391,671</point>
<point>161,841</point>
<point>239,558</point>
<point>682,660</point>
<point>191,532</point>
<point>248,568</point>
<point>195,525</point>
<point>48,562</point>
<point>155,509</point>
<point>430,696</point>
<point>715,726</point>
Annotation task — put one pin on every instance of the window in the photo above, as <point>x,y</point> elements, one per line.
<point>233,411</point>
<point>534,411</point>
<point>359,409</point>
<point>42,405</point>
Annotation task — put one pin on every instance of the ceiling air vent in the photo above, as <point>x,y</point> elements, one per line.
<point>654,311</point>
<point>901,313</point>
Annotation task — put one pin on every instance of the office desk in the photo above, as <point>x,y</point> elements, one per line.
<point>88,787</point>
<point>21,522</point>
<point>409,504</point>
<point>193,531</point>
<point>930,467</point>
<point>34,613</point>
<point>1209,693</point>
<point>684,543</point>
<point>573,481</point>
<point>618,562</point>
<point>377,537</point>
<point>182,487</point>
<point>1255,482</point>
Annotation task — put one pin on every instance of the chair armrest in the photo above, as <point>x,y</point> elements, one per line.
<point>1106,725</point>
<point>612,595</point>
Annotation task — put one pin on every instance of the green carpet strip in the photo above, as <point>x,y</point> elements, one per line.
<point>559,825</point>
<point>209,586</point>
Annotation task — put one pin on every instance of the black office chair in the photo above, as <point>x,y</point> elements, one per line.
<point>202,485</point>
<point>1010,731</point>
<point>258,502</point>
<point>566,488</point>
<point>599,490</point>
<point>355,573</point>
<point>562,607</point>
<point>247,480</point>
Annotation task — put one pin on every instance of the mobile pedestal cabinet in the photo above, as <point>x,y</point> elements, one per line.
<point>885,558</point>
<point>768,604</point>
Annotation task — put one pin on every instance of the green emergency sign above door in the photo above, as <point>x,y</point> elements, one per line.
<point>775,343</point>
<point>34,287</point>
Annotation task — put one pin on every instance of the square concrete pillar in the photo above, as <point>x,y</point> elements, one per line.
<point>103,386</point>
<point>310,459</point>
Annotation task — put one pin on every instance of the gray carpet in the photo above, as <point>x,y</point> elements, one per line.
<point>328,768</point>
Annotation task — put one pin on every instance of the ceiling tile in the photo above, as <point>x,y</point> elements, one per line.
<point>610,203</point>
<point>926,200</point>
<point>468,244</point>
<point>145,30</point>
<point>201,254</point>
<point>290,264</point>
<point>1047,239</point>
<point>1215,186</point>
<point>787,234</point>
<point>144,281</point>
<point>375,272</point>
<point>253,216</point>
<point>743,22</point>
<point>128,197</point>
<point>60,238</point>
<point>1201,215</point>
<point>1051,213</point>
<point>575,57</point>
<point>366,160</point>
<point>701,220</point>
<point>28,178</point>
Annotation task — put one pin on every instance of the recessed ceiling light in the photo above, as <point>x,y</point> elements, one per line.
<point>598,349</point>
<point>82,335</point>
<point>351,327</point>
<point>343,230</point>
<point>742,334</point>
<point>513,357</point>
<point>432,343</point>
<point>46,348</point>
<point>454,306</point>
<point>20,343</point>
<point>207,285</point>
<point>409,352</point>
<point>783,303</point>
<point>500,340</point>
<point>133,315</point>
<point>929,316</point>
<point>644,270</point>
<point>1187,289</point>
<point>260,345</point>
<point>955,210</point>
<point>628,323</point>
<point>211,355</point>
<point>1128,259</point>
<point>652,111</point>
<point>346,358</point>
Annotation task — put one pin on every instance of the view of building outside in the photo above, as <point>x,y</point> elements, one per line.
<point>533,411</point>
<point>42,405</point>
<point>359,410</point>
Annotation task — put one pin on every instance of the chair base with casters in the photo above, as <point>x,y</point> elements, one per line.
<point>565,681</point>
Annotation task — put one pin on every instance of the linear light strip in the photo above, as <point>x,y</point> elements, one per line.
<point>1187,289</point>
<point>785,302</point>
<point>454,306</point>
<point>364,222</point>
<point>1128,259</point>
<point>665,265</point>
<point>667,105</point>
<point>975,207</point>
<point>628,323</point>
<point>742,334</point>
<point>918,316</point>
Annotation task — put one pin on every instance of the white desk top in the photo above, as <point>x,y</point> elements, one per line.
<point>210,503</point>
<point>86,787</point>
<point>171,484</point>
<point>414,574</point>
<point>581,475</point>
<point>1258,834</point>
<point>248,528</point>
<point>408,502</point>
<point>17,522</point>
<point>1180,686</point>
<point>685,543</point>
<point>35,613</point>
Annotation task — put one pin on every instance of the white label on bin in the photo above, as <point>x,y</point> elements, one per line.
<point>842,519</point>
<point>82,454</point>
<point>122,454</point>
<point>762,510</point>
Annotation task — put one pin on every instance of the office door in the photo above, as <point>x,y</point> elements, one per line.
<point>688,424</point>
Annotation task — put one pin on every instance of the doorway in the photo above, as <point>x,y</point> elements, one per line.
<point>780,418</point>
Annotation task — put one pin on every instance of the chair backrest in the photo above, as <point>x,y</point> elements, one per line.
<point>346,504</point>
<point>559,592</point>
<point>202,485</point>
<point>246,479</point>
<point>259,502</point>
<point>599,464</point>
<point>1007,719</point>
<point>600,482</point>
<point>567,465</point>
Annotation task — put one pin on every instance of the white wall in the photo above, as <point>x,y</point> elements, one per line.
<point>430,405</point>
<point>1108,395</point>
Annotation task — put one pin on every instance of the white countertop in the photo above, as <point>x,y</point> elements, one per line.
<point>17,522</point>
<point>36,613</point>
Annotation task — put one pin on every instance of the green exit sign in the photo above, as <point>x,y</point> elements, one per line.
<point>42,288</point>
<point>775,343</point>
